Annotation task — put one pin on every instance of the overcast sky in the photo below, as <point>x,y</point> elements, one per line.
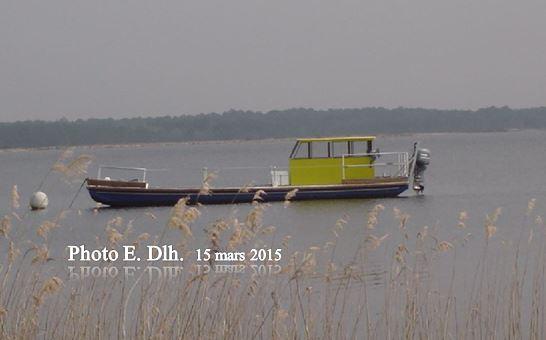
<point>109,58</point>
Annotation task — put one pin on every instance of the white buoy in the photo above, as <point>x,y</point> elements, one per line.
<point>38,200</point>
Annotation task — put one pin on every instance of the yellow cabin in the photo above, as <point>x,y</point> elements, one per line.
<point>335,160</point>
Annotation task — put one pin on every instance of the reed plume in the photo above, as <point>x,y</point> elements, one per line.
<point>258,195</point>
<point>182,216</point>
<point>66,154</point>
<point>44,229</point>
<point>255,217</point>
<point>401,217</point>
<point>141,238</point>
<point>373,216</point>
<point>375,241</point>
<point>113,236</point>
<point>444,246</point>
<point>463,216</point>
<point>490,223</point>
<point>15,198</point>
<point>42,254</point>
<point>115,222</point>
<point>51,286</point>
<point>75,168</point>
<point>207,183</point>
<point>289,195</point>
<point>5,226</point>
<point>531,206</point>
<point>13,252</point>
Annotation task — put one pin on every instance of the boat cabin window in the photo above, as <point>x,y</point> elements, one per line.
<point>340,149</point>
<point>360,147</point>
<point>311,150</point>
<point>301,150</point>
<point>320,150</point>
<point>330,149</point>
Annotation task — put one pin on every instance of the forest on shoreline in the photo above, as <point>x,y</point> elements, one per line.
<point>248,125</point>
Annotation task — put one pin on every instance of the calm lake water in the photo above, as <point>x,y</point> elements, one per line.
<point>475,173</point>
<point>469,172</point>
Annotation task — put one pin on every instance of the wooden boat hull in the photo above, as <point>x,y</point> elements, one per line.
<point>116,196</point>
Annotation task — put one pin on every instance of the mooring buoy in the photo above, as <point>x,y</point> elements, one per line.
<point>38,201</point>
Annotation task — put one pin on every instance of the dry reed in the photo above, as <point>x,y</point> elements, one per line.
<point>313,295</point>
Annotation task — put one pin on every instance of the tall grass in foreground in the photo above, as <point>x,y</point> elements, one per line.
<point>312,296</point>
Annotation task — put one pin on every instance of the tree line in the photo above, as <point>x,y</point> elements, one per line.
<point>236,124</point>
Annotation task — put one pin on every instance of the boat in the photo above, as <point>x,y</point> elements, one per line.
<point>318,168</point>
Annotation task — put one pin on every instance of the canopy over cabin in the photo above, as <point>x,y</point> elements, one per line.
<point>331,160</point>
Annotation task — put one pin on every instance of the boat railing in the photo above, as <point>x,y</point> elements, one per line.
<point>279,176</point>
<point>388,164</point>
<point>141,171</point>
<point>385,165</point>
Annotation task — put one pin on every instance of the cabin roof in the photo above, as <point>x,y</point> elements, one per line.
<point>338,139</point>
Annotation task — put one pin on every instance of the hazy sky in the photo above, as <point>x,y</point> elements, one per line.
<point>102,58</point>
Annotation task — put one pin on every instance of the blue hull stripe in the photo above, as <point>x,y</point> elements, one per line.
<point>124,198</point>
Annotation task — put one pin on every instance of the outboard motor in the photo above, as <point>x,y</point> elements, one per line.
<point>422,160</point>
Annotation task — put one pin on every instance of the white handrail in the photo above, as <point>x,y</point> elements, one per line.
<point>143,170</point>
<point>401,161</point>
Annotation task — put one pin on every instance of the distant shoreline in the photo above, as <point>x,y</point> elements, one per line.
<point>236,141</point>
<point>254,125</point>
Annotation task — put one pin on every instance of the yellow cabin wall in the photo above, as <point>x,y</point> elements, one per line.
<point>309,171</point>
